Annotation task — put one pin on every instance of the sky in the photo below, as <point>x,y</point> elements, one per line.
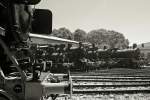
<point>129,17</point>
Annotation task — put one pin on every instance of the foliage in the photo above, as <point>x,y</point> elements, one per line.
<point>134,46</point>
<point>112,39</point>
<point>79,35</point>
<point>100,37</point>
<point>62,33</point>
<point>148,56</point>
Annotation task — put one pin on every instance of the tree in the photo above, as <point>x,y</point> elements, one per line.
<point>80,35</point>
<point>142,45</point>
<point>99,37</point>
<point>134,46</point>
<point>111,38</point>
<point>62,33</point>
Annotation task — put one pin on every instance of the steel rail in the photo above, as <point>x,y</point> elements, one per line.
<point>111,91</point>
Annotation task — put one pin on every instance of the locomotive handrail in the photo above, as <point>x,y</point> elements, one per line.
<point>13,59</point>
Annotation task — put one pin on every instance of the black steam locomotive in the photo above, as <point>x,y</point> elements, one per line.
<point>127,58</point>
<point>88,59</point>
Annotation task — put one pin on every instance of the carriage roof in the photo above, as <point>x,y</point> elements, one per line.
<point>46,39</point>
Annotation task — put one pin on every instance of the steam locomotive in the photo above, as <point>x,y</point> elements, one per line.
<point>126,58</point>
<point>110,58</point>
<point>20,77</point>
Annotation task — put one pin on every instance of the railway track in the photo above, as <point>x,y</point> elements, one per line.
<point>145,72</point>
<point>112,77</point>
<point>109,84</point>
<point>113,84</point>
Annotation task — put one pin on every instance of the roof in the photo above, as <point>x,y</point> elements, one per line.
<point>46,39</point>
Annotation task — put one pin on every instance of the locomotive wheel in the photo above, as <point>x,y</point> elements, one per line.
<point>3,98</point>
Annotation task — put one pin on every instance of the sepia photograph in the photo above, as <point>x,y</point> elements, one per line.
<point>74,50</point>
